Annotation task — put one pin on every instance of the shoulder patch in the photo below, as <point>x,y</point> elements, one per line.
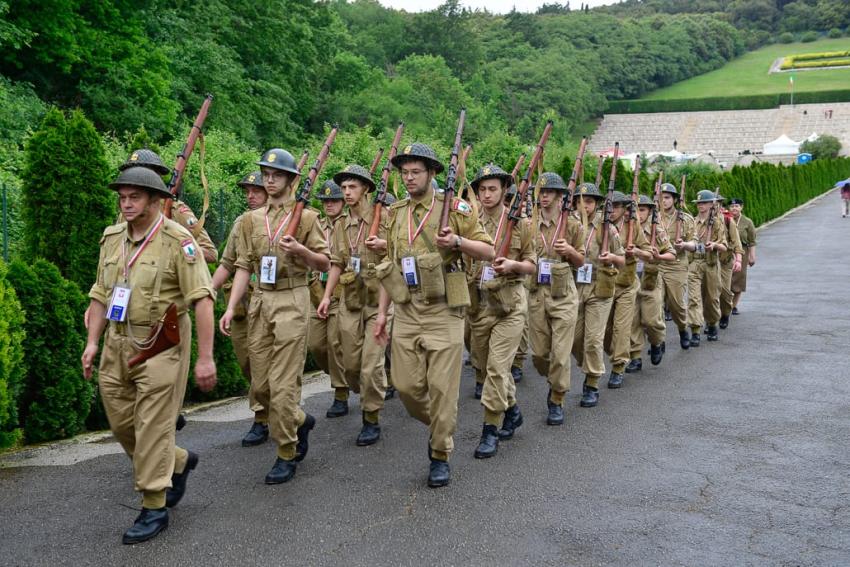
<point>462,207</point>
<point>189,251</point>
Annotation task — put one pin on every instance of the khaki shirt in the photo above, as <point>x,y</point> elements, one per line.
<point>747,231</point>
<point>349,237</point>
<point>593,241</point>
<point>628,274</point>
<point>183,215</point>
<point>718,235</point>
<point>253,242</point>
<point>733,241</point>
<point>521,247</point>
<point>170,269</point>
<point>688,234</point>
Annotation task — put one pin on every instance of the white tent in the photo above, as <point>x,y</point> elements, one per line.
<point>783,145</point>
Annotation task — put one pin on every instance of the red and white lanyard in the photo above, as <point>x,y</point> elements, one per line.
<point>151,233</point>
<point>353,247</point>
<point>273,238</point>
<point>411,235</point>
<point>547,246</point>
<point>589,238</point>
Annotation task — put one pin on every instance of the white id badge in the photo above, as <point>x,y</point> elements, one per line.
<point>544,272</point>
<point>585,274</point>
<point>640,267</point>
<point>118,304</point>
<point>487,274</point>
<point>354,262</point>
<point>268,269</point>
<point>408,267</point>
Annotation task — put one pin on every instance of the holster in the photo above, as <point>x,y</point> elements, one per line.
<point>392,281</point>
<point>432,280</point>
<point>165,334</point>
<point>605,278</point>
<point>559,281</point>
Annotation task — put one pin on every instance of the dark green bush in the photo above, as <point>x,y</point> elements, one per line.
<point>12,368</point>
<point>56,399</point>
<point>786,37</point>
<point>231,382</point>
<point>743,102</point>
<point>825,146</point>
<point>809,37</point>
<point>834,33</point>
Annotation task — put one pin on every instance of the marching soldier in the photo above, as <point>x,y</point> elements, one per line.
<point>496,327</point>
<point>649,313</point>
<point>704,270</point>
<point>279,312</point>
<point>553,298</point>
<point>427,332</point>
<point>730,263</point>
<point>323,340</point>
<point>626,285</point>
<point>255,194</point>
<point>353,259</point>
<point>149,275</point>
<point>595,284</point>
<point>674,275</point>
<point>747,232</point>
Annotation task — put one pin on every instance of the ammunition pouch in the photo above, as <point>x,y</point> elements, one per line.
<point>627,275</point>
<point>432,280</point>
<point>499,294</point>
<point>650,278</point>
<point>392,280</point>
<point>457,292</point>
<point>372,283</point>
<point>353,291</point>
<point>605,281</point>
<point>559,283</point>
<point>474,297</point>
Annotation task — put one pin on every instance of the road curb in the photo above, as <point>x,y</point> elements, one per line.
<point>807,204</point>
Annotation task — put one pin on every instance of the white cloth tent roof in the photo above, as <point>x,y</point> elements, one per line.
<point>783,145</point>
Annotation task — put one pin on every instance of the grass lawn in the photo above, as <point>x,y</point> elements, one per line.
<point>747,75</point>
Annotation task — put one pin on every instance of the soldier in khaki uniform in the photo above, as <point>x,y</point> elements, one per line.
<point>730,263</point>
<point>427,341</point>
<point>355,254</point>
<point>255,194</point>
<point>497,325</point>
<point>626,285</point>
<point>595,285</point>
<point>747,232</point>
<point>553,305</point>
<point>146,264</point>
<point>279,312</point>
<point>323,340</point>
<point>649,312</point>
<point>704,270</point>
<point>674,275</point>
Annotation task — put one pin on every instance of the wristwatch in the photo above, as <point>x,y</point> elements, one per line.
<point>457,242</point>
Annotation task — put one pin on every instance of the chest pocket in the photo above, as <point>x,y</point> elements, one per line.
<point>109,273</point>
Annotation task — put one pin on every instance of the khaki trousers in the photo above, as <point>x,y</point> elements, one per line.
<point>496,337</point>
<point>239,339</point>
<point>142,402</point>
<point>524,341</point>
<point>427,350</point>
<point>277,342</point>
<point>552,326</point>
<point>362,358</point>
<point>703,294</point>
<point>674,279</point>
<point>618,331</point>
<point>590,330</point>
<point>726,287</point>
<point>649,318</point>
<point>323,342</point>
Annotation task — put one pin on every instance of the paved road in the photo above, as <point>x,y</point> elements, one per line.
<point>735,453</point>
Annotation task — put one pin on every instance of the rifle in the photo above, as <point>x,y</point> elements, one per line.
<point>710,227</point>
<point>653,232</point>
<point>609,205</point>
<point>599,170</point>
<point>569,194</point>
<point>176,182</point>
<point>514,214</point>
<point>451,176</point>
<point>302,196</point>
<point>680,213</point>
<point>377,161</point>
<point>514,173</point>
<point>464,191</point>
<point>381,193</point>
<point>633,207</point>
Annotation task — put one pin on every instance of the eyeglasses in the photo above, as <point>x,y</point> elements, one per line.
<point>412,172</point>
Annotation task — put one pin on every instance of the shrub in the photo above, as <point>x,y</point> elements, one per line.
<point>740,102</point>
<point>231,382</point>
<point>809,37</point>
<point>824,147</point>
<point>56,399</point>
<point>834,33</point>
<point>786,37</point>
<point>12,368</point>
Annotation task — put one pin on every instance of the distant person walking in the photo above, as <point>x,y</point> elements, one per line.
<point>845,200</point>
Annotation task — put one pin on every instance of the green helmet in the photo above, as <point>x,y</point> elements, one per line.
<point>277,158</point>
<point>590,190</point>
<point>705,196</point>
<point>619,198</point>
<point>145,158</point>
<point>646,201</point>
<point>551,180</point>
<point>669,188</point>
<point>254,179</point>
<point>510,194</point>
<point>358,172</point>
<point>490,171</point>
<point>141,177</point>
<point>330,191</point>
<point>419,151</point>
<point>389,199</point>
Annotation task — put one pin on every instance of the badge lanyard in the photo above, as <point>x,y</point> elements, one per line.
<point>487,272</point>
<point>547,246</point>
<point>328,239</point>
<point>411,236</point>
<point>273,238</point>
<point>151,233</point>
<point>353,247</point>
<point>589,238</point>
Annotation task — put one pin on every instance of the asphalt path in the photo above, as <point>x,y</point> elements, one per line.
<point>735,453</point>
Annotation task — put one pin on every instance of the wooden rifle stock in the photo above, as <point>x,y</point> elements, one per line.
<point>710,228</point>
<point>381,193</point>
<point>609,205</point>
<point>302,197</point>
<point>569,194</point>
<point>377,161</point>
<point>176,182</point>
<point>653,231</point>
<point>451,176</point>
<point>680,213</point>
<point>599,171</point>
<point>633,208</point>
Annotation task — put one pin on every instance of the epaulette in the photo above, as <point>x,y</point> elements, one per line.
<point>112,230</point>
<point>175,230</point>
<point>400,203</point>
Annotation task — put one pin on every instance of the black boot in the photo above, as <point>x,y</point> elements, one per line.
<point>656,353</point>
<point>338,409</point>
<point>635,365</point>
<point>489,443</point>
<point>303,433</point>
<point>694,340</point>
<point>724,321</point>
<point>439,474</point>
<point>512,421</point>
<point>589,397</point>
<point>711,334</point>
<point>181,422</point>
<point>556,413</point>
<point>479,390</point>
<point>390,394</point>
<point>258,434</point>
<point>735,311</point>
<point>667,315</point>
<point>516,373</point>
<point>281,472</point>
<point>615,380</point>
<point>147,525</point>
<point>685,339</point>
<point>178,482</point>
<point>369,434</point>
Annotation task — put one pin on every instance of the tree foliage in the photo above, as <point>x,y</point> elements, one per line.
<point>823,147</point>
<point>12,367</point>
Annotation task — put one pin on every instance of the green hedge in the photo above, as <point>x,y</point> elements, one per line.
<point>726,102</point>
<point>12,367</point>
